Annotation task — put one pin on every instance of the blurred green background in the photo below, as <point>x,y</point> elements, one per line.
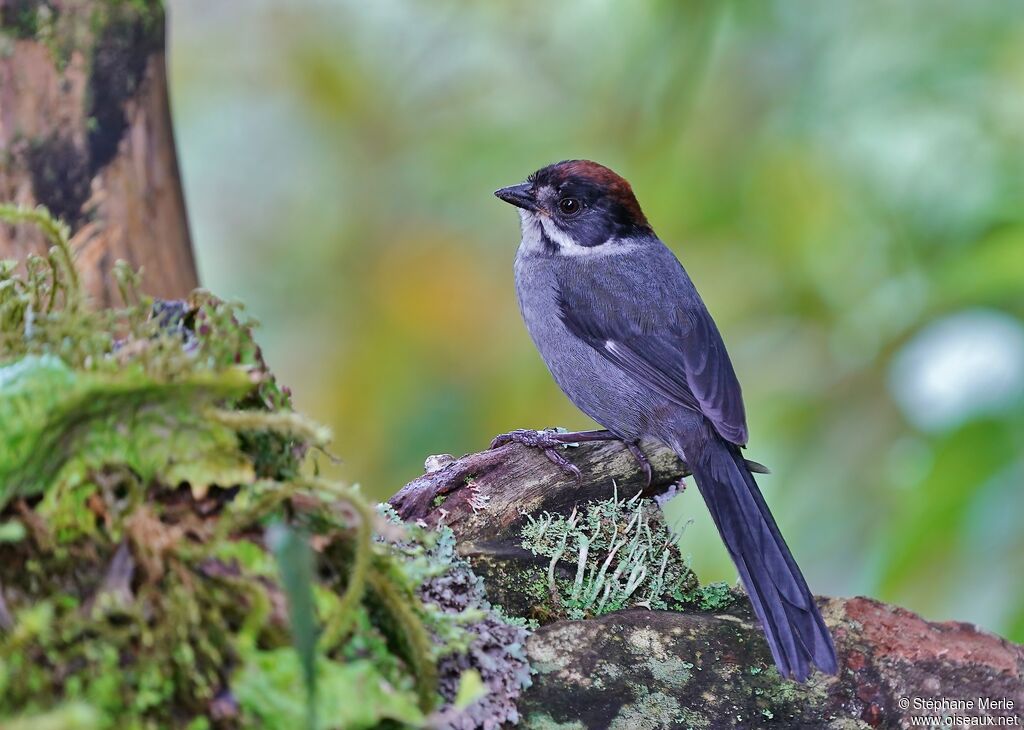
<point>844,182</point>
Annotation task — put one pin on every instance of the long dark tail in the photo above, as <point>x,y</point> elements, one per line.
<point>792,624</point>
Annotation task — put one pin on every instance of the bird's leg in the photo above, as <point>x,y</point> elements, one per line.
<point>642,461</point>
<point>550,439</point>
<point>604,435</point>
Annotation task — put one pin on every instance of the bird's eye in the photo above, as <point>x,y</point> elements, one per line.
<point>569,206</point>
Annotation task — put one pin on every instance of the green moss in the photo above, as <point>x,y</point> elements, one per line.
<point>536,587</point>
<point>776,698</point>
<point>25,19</point>
<point>72,423</point>
<point>712,597</point>
<point>144,450</point>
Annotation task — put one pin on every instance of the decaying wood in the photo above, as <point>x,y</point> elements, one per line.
<point>659,669</point>
<point>484,496</point>
<point>85,129</point>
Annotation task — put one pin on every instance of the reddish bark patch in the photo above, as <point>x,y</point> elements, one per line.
<point>897,633</point>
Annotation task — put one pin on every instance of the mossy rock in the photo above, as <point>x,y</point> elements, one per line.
<point>640,669</point>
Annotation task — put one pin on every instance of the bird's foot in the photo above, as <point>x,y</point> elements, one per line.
<point>550,439</point>
<point>547,441</point>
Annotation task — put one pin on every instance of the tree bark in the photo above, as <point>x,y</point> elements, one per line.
<point>697,669</point>
<point>85,130</point>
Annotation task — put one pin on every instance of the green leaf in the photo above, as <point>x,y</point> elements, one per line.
<point>295,560</point>
<point>269,687</point>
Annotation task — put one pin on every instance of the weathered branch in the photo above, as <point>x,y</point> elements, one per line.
<point>484,496</point>
<point>696,668</point>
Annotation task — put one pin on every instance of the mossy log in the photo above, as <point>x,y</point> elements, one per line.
<point>639,668</point>
<point>85,130</point>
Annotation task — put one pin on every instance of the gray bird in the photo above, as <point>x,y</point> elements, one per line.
<point>627,337</point>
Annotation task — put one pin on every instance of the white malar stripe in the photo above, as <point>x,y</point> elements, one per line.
<point>568,247</point>
<point>533,224</point>
<point>562,239</point>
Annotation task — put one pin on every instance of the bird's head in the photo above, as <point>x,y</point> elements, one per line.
<point>576,207</point>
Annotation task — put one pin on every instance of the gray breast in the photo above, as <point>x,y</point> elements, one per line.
<point>593,384</point>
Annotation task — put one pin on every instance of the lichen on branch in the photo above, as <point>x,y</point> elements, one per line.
<point>621,554</point>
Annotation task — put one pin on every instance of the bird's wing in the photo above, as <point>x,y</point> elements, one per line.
<point>660,334</point>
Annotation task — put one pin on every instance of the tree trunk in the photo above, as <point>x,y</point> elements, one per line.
<point>85,130</point>
<point>705,667</point>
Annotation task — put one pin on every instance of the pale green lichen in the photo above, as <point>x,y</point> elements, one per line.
<point>551,655</point>
<point>621,554</point>
<point>692,720</point>
<point>649,711</point>
<point>670,671</point>
<point>542,721</point>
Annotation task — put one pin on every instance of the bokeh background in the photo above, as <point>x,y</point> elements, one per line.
<point>843,180</point>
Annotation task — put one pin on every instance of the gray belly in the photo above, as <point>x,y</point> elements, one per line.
<point>593,384</point>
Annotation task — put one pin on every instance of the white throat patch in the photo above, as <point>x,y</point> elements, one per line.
<point>537,227</point>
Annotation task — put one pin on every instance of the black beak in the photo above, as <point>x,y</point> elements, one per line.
<point>520,196</point>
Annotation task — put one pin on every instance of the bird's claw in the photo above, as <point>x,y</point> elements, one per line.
<point>547,442</point>
<point>642,461</point>
<point>565,465</point>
